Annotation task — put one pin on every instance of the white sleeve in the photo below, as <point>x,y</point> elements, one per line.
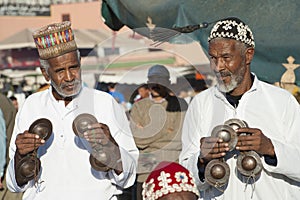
<point>128,149</point>
<point>191,135</point>
<point>10,171</point>
<point>288,150</point>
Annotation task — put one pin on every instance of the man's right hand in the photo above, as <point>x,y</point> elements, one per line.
<point>212,148</point>
<point>27,142</point>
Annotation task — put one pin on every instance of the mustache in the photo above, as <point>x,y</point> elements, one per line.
<point>75,82</point>
<point>223,73</point>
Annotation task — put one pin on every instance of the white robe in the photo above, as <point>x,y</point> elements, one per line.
<point>66,172</point>
<point>273,110</point>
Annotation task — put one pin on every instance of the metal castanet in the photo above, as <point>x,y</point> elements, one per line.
<point>29,166</point>
<point>81,122</point>
<point>236,123</point>
<point>227,134</point>
<point>100,157</point>
<point>217,173</point>
<point>249,164</point>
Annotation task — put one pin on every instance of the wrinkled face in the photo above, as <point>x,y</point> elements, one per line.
<point>229,62</point>
<point>65,75</point>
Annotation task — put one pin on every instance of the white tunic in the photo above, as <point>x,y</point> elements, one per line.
<point>273,110</point>
<point>66,172</point>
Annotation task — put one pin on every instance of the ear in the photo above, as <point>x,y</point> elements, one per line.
<point>45,74</point>
<point>249,55</point>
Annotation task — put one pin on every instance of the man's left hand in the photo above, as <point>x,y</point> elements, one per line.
<point>254,139</point>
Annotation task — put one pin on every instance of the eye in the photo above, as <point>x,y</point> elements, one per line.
<point>74,68</point>
<point>59,71</point>
<point>212,58</point>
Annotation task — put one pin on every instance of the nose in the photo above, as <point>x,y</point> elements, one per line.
<point>217,64</point>
<point>69,76</point>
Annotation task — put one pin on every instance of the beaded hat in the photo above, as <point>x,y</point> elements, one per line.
<point>166,178</point>
<point>232,28</point>
<point>54,40</point>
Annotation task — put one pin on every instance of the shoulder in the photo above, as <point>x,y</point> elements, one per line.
<point>176,104</point>
<point>274,90</point>
<point>89,92</point>
<point>142,103</point>
<point>37,96</point>
<point>205,94</point>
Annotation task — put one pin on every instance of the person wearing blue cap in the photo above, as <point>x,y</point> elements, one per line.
<point>156,124</point>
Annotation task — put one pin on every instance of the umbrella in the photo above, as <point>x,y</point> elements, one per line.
<point>275,25</point>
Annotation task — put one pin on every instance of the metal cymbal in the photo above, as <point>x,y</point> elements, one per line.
<point>41,127</point>
<point>236,123</point>
<point>27,167</point>
<point>81,123</point>
<point>217,173</point>
<point>226,133</point>
<point>249,163</point>
<point>97,164</point>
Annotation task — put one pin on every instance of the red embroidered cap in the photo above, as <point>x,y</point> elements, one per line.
<point>166,178</point>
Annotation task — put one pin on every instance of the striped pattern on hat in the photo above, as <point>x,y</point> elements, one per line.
<point>54,40</point>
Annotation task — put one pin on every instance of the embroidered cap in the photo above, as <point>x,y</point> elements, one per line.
<point>54,40</point>
<point>166,178</point>
<point>232,28</point>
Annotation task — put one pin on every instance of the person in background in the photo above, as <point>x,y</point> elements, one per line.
<point>66,169</point>
<point>117,95</point>
<point>2,149</point>
<point>270,125</point>
<point>14,101</point>
<point>143,92</point>
<point>9,114</point>
<point>156,124</point>
<point>170,181</point>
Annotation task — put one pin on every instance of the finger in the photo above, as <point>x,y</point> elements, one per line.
<point>209,140</point>
<point>248,131</point>
<point>96,136</point>
<point>93,126</point>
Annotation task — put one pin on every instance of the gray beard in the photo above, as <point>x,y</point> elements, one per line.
<point>227,88</point>
<point>62,94</point>
<point>235,81</point>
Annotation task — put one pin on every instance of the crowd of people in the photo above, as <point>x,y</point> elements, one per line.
<point>238,139</point>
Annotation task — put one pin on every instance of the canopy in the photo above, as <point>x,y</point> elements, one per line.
<point>85,39</point>
<point>275,25</point>
<point>138,75</point>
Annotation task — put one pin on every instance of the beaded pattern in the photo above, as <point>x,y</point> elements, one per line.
<point>232,29</point>
<point>166,183</point>
<point>54,40</point>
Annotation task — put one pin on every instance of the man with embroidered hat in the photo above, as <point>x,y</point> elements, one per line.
<point>67,164</point>
<point>170,181</point>
<point>271,127</point>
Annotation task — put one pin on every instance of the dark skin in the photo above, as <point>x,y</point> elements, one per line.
<point>229,55</point>
<point>62,72</point>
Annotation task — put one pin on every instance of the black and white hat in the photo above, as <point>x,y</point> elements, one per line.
<point>232,28</point>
